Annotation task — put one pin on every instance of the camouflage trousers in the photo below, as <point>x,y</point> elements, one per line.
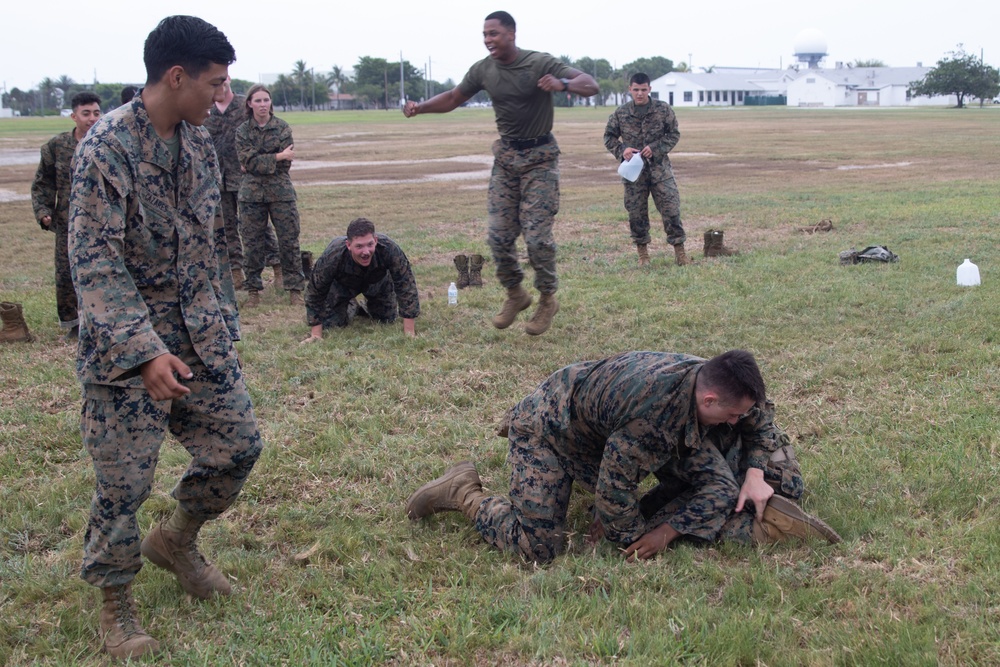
<point>341,306</point>
<point>123,429</point>
<point>523,200</point>
<point>65,293</point>
<point>659,182</point>
<point>660,503</point>
<point>532,521</point>
<point>231,216</point>
<point>284,215</point>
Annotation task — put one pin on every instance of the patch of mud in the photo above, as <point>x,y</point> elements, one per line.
<point>672,154</point>
<point>894,165</point>
<point>12,156</point>
<point>299,165</point>
<point>430,178</point>
<point>8,196</point>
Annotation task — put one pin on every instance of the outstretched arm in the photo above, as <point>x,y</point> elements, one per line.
<point>440,103</point>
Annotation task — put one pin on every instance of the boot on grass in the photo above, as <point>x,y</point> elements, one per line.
<point>517,300</point>
<point>475,270</point>
<point>783,520</point>
<point>540,322</point>
<point>238,278</point>
<point>462,266</point>
<point>680,255</point>
<point>279,282</point>
<point>171,545</point>
<point>253,299</point>
<point>15,329</point>
<point>643,250</point>
<point>715,246</point>
<point>459,489</point>
<point>121,631</point>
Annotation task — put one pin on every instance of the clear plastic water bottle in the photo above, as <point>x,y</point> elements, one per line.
<point>967,274</point>
<point>452,294</point>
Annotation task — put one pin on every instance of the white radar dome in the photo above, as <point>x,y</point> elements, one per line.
<point>810,40</point>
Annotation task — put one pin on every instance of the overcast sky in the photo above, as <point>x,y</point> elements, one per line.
<point>105,38</point>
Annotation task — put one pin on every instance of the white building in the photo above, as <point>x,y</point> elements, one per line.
<point>861,87</point>
<point>724,86</point>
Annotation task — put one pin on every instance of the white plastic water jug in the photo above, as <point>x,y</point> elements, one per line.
<point>967,274</point>
<point>630,169</point>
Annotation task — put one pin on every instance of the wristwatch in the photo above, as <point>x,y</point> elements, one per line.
<point>565,83</point>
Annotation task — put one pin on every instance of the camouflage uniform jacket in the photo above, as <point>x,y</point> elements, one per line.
<point>657,128</point>
<point>222,126</point>
<point>266,179</point>
<point>50,189</point>
<point>628,416</point>
<point>143,240</point>
<point>336,265</point>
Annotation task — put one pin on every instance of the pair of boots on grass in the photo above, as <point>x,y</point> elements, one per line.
<point>714,247</point>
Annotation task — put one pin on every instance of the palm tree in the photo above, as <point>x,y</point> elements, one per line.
<point>337,79</point>
<point>299,75</point>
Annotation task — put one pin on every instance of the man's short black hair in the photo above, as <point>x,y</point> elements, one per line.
<point>84,97</point>
<point>506,20</point>
<point>639,78</point>
<point>360,227</point>
<point>735,376</point>
<point>128,92</point>
<point>188,41</point>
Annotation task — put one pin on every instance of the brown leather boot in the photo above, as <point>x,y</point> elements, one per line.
<point>238,278</point>
<point>295,297</point>
<point>517,300</point>
<point>680,256</point>
<point>15,329</point>
<point>253,299</point>
<point>462,266</point>
<point>643,254</point>
<point>475,270</point>
<point>784,520</point>
<point>459,489</point>
<point>176,551</point>
<point>715,246</point>
<point>279,282</point>
<point>540,322</point>
<point>123,635</point>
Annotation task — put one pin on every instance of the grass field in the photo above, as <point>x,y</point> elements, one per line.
<point>885,376</point>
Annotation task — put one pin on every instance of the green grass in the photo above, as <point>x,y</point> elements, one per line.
<point>885,376</point>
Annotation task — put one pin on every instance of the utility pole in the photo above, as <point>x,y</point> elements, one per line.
<point>430,86</point>
<point>402,88</point>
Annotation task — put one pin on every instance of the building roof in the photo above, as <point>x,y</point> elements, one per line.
<point>869,77</point>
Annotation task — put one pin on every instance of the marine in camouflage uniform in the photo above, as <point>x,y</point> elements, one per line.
<point>523,194</point>
<point>266,191</point>
<point>145,252</point>
<point>221,125</point>
<point>387,284</point>
<point>50,198</point>
<point>637,126</point>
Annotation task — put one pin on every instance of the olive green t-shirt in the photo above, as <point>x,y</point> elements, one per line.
<point>523,110</point>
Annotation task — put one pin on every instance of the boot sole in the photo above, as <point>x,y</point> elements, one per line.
<point>455,470</point>
<point>521,308</point>
<point>791,509</point>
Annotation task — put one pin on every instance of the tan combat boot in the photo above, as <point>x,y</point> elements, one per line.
<point>475,270</point>
<point>279,282</point>
<point>15,329</point>
<point>517,300</point>
<point>295,297</point>
<point>462,266</point>
<point>175,550</point>
<point>643,254</point>
<point>784,520</point>
<point>680,256</point>
<point>540,322</point>
<point>238,279</point>
<point>123,635</point>
<point>253,299</point>
<point>715,246</point>
<point>459,489</point>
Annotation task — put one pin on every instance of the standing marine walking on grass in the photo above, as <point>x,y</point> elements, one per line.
<point>50,200</point>
<point>648,127</point>
<point>157,324</point>
<point>605,426</point>
<point>524,186</point>
<point>266,150</point>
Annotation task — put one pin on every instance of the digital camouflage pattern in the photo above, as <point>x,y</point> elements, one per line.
<point>50,197</point>
<point>266,183</point>
<point>524,199</point>
<point>606,425</point>
<point>143,242</point>
<point>656,128</point>
<point>385,283</point>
